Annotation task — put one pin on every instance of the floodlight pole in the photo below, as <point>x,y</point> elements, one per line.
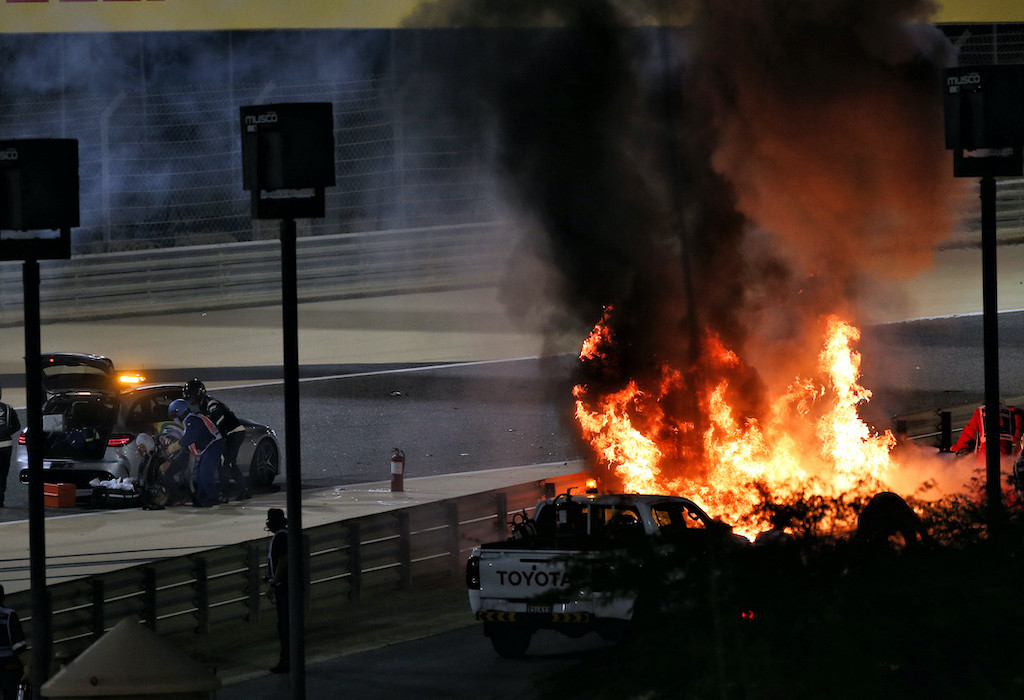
<point>290,147</point>
<point>293,461</point>
<point>42,628</point>
<point>990,316</point>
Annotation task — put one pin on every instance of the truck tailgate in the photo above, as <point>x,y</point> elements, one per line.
<point>525,575</point>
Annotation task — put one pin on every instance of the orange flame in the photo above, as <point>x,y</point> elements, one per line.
<point>811,439</point>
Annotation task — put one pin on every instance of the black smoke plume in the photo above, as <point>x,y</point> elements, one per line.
<point>736,177</point>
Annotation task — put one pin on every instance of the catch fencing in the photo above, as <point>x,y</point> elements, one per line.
<point>347,562</point>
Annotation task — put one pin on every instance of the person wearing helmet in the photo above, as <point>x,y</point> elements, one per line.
<point>145,443</point>
<point>1011,430</point>
<point>173,469</point>
<point>194,392</point>
<point>9,427</point>
<point>203,439</point>
<point>234,435</point>
<point>151,494</point>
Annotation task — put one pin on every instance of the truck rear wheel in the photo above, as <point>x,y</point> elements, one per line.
<point>510,641</point>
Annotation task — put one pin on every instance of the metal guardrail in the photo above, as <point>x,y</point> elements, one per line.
<point>1009,217</point>
<point>935,428</point>
<point>347,562</point>
<point>198,278</point>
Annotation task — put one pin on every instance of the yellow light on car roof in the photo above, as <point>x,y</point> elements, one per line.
<point>591,485</point>
<point>131,378</point>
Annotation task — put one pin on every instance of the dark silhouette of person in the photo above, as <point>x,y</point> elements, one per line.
<point>277,577</point>
<point>887,515</point>
<point>777,535</point>
<point>14,655</point>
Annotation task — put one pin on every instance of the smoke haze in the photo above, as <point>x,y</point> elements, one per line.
<point>738,178</point>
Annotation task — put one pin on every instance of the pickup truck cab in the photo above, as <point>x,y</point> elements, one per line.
<point>572,566</point>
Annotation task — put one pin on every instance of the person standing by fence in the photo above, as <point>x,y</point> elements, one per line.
<point>277,577</point>
<point>1011,430</point>
<point>13,652</point>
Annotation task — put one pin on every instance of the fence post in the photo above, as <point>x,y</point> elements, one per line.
<point>253,581</point>
<point>945,430</point>
<point>404,552</point>
<point>105,159</point>
<point>149,596</point>
<point>455,538</point>
<point>501,510</point>
<point>202,597</point>
<point>306,576</point>
<point>98,615</point>
<point>355,562</point>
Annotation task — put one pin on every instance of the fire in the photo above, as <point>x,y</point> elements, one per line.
<point>810,439</point>
<point>599,337</point>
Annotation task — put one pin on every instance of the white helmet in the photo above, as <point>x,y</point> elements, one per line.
<point>145,443</point>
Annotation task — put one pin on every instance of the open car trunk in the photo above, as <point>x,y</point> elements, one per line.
<point>77,425</point>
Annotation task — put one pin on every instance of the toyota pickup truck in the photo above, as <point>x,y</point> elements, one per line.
<point>579,565</point>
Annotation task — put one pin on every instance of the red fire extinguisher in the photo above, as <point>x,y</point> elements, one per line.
<point>397,469</point>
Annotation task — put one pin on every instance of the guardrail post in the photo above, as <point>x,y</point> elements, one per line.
<point>202,597</point>
<point>253,583</point>
<point>306,577</point>
<point>355,562</point>
<point>149,596</point>
<point>404,552</point>
<point>455,538</point>
<point>945,430</point>
<point>98,601</point>
<point>501,510</point>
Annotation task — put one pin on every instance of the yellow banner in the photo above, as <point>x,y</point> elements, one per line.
<point>957,11</point>
<point>55,16</point>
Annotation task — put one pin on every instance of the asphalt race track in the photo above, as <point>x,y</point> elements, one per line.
<point>457,417</point>
<point>447,419</point>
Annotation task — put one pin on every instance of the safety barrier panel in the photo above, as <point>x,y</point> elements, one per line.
<point>347,562</point>
<point>200,278</point>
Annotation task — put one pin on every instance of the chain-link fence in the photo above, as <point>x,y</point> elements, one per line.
<point>984,44</point>
<point>987,44</point>
<point>156,117</point>
<point>157,121</point>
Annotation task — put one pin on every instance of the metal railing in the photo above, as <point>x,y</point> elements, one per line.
<point>347,562</point>
<point>199,278</point>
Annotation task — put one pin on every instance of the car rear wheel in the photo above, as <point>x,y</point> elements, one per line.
<point>511,640</point>
<point>265,464</point>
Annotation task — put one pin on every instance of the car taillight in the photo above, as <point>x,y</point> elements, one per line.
<point>22,439</point>
<point>473,573</point>
<point>118,440</point>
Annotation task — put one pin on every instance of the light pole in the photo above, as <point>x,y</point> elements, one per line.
<point>38,207</point>
<point>287,161</point>
<point>985,131</point>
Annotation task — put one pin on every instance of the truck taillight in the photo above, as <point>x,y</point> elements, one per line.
<point>473,573</point>
<point>119,440</point>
